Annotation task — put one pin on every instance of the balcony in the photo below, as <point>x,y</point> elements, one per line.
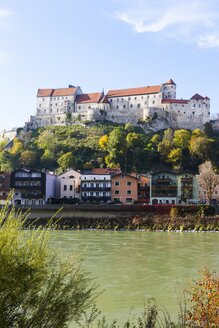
<point>163,180</point>
<point>95,188</point>
<point>95,198</point>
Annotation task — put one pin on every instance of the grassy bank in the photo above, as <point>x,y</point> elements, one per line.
<point>148,222</point>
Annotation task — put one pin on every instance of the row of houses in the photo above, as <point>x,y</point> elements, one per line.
<point>35,187</point>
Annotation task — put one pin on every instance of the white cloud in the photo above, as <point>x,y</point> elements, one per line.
<point>208,41</point>
<point>191,21</point>
<point>5,13</point>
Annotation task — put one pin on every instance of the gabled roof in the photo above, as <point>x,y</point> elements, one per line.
<point>105,171</point>
<point>56,92</point>
<point>89,98</point>
<point>130,175</point>
<point>170,81</point>
<point>134,91</point>
<point>175,101</point>
<point>197,97</point>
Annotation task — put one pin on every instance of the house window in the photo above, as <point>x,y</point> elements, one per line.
<point>97,193</point>
<point>91,193</point>
<point>71,187</point>
<point>117,107</point>
<point>124,106</point>
<point>79,107</point>
<point>116,192</point>
<point>65,187</point>
<point>128,200</point>
<point>139,106</point>
<point>117,183</point>
<point>153,102</point>
<point>129,183</point>
<point>131,106</point>
<point>129,192</point>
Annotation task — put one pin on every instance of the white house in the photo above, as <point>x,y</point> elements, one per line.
<point>68,185</point>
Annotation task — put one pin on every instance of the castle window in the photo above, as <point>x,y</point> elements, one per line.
<point>131,106</point>
<point>117,107</point>
<point>124,106</point>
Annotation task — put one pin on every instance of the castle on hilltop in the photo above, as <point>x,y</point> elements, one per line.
<point>154,106</point>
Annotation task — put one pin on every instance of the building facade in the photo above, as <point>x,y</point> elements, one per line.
<point>124,188</point>
<point>96,188</point>
<point>32,187</point>
<point>4,187</point>
<point>169,187</point>
<point>154,106</point>
<point>68,185</point>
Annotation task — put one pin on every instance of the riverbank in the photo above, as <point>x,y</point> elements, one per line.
<point>130,222</point>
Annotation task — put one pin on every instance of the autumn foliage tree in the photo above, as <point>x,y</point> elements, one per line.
<point>208,179</point>
<point>204,302</point>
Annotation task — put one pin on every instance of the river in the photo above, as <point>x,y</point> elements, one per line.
<point>133,266</point>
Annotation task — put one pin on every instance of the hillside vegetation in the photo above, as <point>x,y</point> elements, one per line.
<point>102,145</point>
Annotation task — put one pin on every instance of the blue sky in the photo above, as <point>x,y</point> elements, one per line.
<point>105,44</point>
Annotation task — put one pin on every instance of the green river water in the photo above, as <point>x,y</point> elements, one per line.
<point>133,266</point>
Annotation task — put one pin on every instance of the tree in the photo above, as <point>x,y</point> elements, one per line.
<point>28,158</point>
<point>201,147</point>
<point>175,157</point>
<point>103,142</point>
<point>165,146</point>
<point>208,179</point>
<point>67,161</point>
<point>17,147</point>
<point>181,138</point>
<point>204,302</point>
<point>38,289</point>
<point>117,147</point>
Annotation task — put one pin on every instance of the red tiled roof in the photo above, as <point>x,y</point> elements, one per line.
<point>134,91</point>
<point>175,101</point>
<point>64,92</point>
<point>56,92</point>
<point>170,81</point>
<point>105,171</point>
<point>89,97</point>
<point>44,92</point>
<point>197,96</point>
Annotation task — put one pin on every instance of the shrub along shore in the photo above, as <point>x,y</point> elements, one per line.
<point>149,222</point>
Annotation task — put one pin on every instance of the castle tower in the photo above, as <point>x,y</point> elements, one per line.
<point>169,90</point>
